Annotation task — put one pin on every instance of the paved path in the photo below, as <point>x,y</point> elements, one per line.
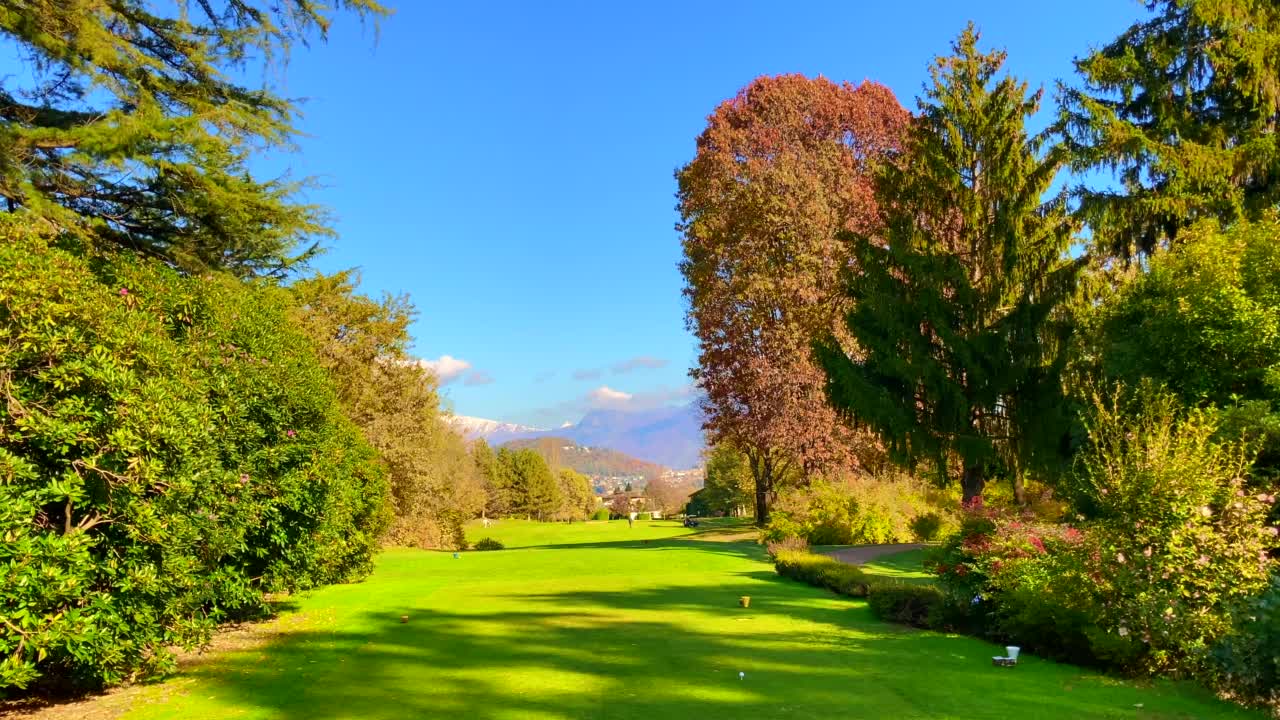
<point>866,553</point>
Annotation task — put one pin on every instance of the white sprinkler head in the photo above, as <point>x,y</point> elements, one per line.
<point>741,674</point>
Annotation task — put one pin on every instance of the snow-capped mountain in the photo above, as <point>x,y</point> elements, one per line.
<point>668,436</point>
<point>495,432</point>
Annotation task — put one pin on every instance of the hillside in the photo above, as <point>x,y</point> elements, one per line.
<point>593,462</point>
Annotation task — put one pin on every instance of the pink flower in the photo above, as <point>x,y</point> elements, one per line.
<point>1202,560</point>
<point>1272,531</point>
<point>124,291</point>
<point>290,433</point>
<point>244,479</point>
<point>1120,558</point>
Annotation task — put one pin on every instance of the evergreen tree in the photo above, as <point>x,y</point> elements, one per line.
<point>952,303</point>
<point>1183,108</point>
<point>133,128</point>
<point>486,465</point>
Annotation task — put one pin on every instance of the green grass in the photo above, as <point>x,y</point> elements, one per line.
<point>904,566</point>
<point>590,621</point>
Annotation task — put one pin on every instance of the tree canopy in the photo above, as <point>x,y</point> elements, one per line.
<point>780,169</point>
<point>1183,108</point>
<point>952,303</point>
<point>135,128</point>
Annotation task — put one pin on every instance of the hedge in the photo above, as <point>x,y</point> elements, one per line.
<point>170,452</point>
<point>822,571</point>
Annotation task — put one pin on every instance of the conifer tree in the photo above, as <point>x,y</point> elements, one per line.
<point>953,302</point>
<point>1183,108</point>
<point>133,127</point>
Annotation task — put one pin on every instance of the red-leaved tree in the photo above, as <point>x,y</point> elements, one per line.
<point>780,169</point>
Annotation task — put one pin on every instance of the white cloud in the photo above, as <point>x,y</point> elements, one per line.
<point>605,396</point>
<point>447,368</point>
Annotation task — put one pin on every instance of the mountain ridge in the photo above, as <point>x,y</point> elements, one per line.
<point>670,436</point>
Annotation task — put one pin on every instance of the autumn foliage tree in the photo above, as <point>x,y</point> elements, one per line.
<point>780,169</point>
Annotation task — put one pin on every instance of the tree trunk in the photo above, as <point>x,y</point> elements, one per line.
<point>1019,490</point>
<point>972,483</point>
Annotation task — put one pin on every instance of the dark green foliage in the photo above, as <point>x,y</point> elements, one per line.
<point>489,544</point>
<point>1183,108</point>
<point>822,571</point>
<point>135,128</point>
<point>170,450</point>
<point>927,527</point>
<point>525,484</point>
<point>1204,322</point>
<point>913,605</point>
<point>953,302</point>
<point>601,514</point>
<point>1249,658</point>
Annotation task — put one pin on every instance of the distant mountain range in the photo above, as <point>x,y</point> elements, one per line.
<point>593,462</point>
<point>667,436</point>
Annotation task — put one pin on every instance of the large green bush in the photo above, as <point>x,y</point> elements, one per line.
<point>1170,541</point>
<point>851,511</point>
<point>169,452</point>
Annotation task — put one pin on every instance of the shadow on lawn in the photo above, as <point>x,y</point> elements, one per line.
<point>655,653</point>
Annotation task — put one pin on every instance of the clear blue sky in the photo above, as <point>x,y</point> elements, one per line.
<point>510,165</point>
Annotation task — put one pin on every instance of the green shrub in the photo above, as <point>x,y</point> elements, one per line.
<point>489,544</point>
<point>851,511</point>
<point>1249,658</point>
<point>644,516</point>
<point>927,527</point>
<point>601,514</point>
<point>905,604</point>
<point>170,452</point>
<point>1170,541</point>
<point>821,571</point>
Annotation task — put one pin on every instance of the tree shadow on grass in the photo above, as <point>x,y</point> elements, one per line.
<point>662,651</point>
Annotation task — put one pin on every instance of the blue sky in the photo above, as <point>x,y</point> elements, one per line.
<point>510,165</point>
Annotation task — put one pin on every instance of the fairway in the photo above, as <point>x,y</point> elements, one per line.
<point>595,620</point>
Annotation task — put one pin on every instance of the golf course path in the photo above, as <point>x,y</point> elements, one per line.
<point>866,553</point>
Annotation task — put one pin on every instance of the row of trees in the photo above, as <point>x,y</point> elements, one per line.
<point>869,285</point>
<point>519,482</point>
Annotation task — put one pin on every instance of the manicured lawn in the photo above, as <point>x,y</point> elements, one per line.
<point>905,566</point>
<point>590,621</point>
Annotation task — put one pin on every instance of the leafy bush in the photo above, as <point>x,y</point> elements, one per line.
<point>822,571</point>
<point>850,511</point>
<point>927,527</point>
<point>644,516</point>
<point>489,544</point>
<point>1169,541</point>
<point>170,452</point>
<point>601,514</point>
<point>1249,658</point>
<point>905,604</point>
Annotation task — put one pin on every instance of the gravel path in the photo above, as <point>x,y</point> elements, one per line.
<point>866,553</point>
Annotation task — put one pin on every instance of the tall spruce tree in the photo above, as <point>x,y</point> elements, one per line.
<point>1183,108</point>
<point>133,128</point>
<point>953,301</point>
